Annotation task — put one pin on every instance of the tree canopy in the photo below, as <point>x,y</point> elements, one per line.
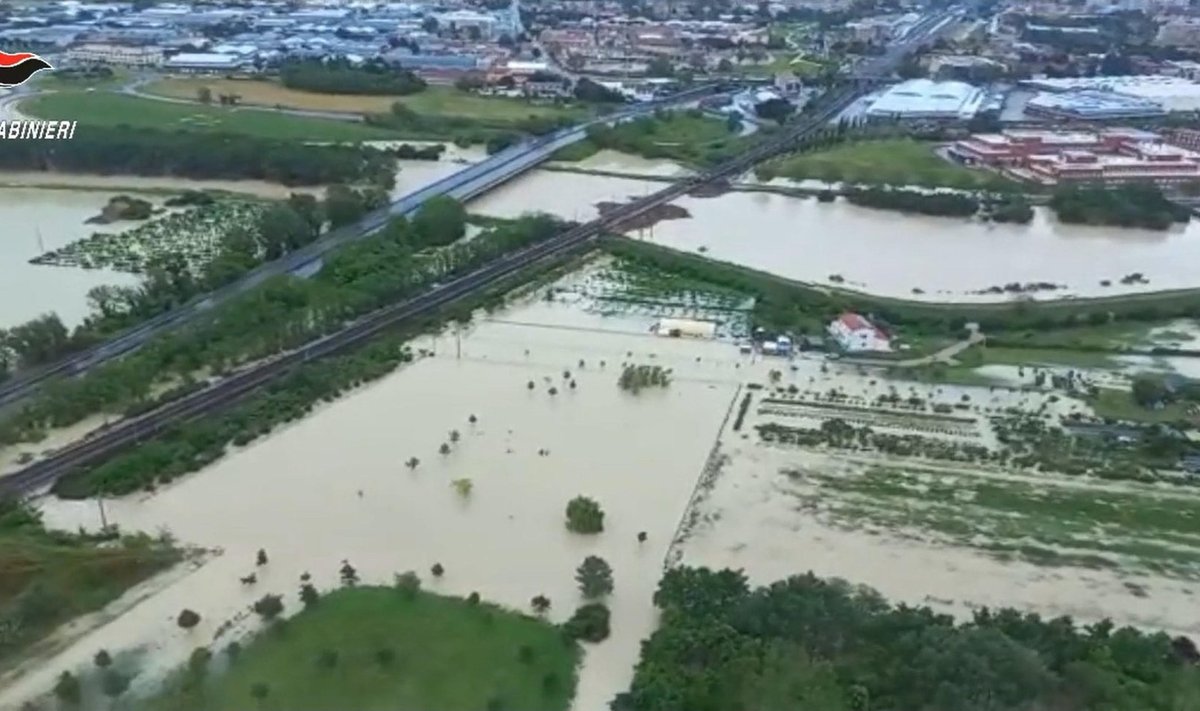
<point>809,643</point>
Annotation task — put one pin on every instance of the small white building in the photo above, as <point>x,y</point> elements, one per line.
<point>855,334</point>
<point>685,328</point>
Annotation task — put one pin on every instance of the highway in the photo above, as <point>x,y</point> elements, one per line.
<point>91,451</point>
<point>463,185</point>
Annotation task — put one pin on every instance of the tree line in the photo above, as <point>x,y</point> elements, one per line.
<point>339,76</point>
<point>169,282</point>
<point>782,306</point>
<point>117,150</point>
<point>1132,205</point>
<point>282,314</point>
<point>809,643</point>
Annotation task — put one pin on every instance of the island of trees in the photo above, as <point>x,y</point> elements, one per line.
<point>1133,205</point>
<point>1000,208</point>
<point>808,643</point>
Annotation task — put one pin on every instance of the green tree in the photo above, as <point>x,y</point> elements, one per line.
<point>584,515</point>
<point>204,95</point>
<point>439,221</point>
<point>113,683</point>
<point>540,604</point>
<point>188,619</point>
<point>594,576</point>
<point>102,659</point>
<point>68,689</point>
<point>309,595</point>
<point>348,574</point>
<point>268,606</point>
<point>1148,390</point>
<point>408,583</point>
<point>589,623</point>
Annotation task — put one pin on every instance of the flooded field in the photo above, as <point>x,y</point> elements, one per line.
<point>335,487</point>
<point>953,535</point>
<point>49,219</point>
<point>810,241</point>
<point>685,464</point>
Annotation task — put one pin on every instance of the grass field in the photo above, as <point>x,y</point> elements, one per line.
<point>1138,529</point>
<point>784,62</point>
<point>687,137</point>
<point>47,579</point>
<point>448,655</point>
<point>99,108</point>
<point>1120,405</point>
<point>434,100</point>
<point>889,162</point>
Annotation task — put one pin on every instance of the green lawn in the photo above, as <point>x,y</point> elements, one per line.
<point>448,656</point>
<point>1038,356</point>
<point>890,162</point>
<point>99,108</point>
<point>685,136</point>
<point>48,578</point>
<point>447,100</point>
<point>1119,405</point>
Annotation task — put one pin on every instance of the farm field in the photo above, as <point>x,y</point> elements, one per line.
<point>432,101</point>
<point>428,652</point>
<point>889,162</point>
<point>942,516</point>
<point>109,109</point>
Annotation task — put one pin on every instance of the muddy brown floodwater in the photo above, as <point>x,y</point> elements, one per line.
<point>295,493</point>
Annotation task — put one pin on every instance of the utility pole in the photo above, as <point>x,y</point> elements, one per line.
<point>458,341</point>
<point>103,517</point>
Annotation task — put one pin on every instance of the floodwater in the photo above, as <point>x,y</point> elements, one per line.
<point>881,252</point>
<point>54,206</point>
<point>57,218</point>
<point>297,493</point>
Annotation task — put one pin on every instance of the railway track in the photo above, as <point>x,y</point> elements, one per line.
<point>95,449</point>
<point>492,172</point>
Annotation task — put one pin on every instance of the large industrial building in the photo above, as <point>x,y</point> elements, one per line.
<point>925,99</point>
<point>1111,156</point>
<point>1118,97</point>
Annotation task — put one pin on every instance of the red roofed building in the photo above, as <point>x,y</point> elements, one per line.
<point>855,333</point>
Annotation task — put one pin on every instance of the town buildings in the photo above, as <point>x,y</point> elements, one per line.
<point>855,334</point>
<point>1109,156</point>
<point>1113,97</point>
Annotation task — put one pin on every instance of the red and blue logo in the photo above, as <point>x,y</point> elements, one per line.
<point>17,68</point>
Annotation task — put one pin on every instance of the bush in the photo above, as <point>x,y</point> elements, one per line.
<point>409,584</point>
<point>584,515</point>
<point>594,576</point>
<point>268,606</point>
<point>188,619</point>
<point>590,623</point>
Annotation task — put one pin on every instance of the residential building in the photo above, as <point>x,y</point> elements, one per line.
<point>855,334</point>
<point>124,55</point>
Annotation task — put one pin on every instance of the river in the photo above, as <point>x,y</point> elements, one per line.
<point>879,252</point>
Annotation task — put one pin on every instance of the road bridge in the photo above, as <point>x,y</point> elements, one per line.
<point>90,451</point>
<point>465,184</point>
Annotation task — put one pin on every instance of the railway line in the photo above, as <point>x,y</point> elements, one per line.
<point>95,449</point>
<point>463,185</point>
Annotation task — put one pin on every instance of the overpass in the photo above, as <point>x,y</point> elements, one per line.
<point>229,391</point>
<point>463,185</point>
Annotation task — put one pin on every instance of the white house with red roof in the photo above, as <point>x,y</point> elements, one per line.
<point>854,333</point>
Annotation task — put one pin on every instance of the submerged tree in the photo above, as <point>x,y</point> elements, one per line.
<point>188,619</point>
<point>462,486</point>
<point>594,576</point>
<point>348,574</point>
<point>437,570</point>
<point>635,378</point>
<point>590,622</point>
<point>261,558</point>
<point>268,606</point>
<point>103,659</point>
<point>540,604</point>
<point>412,463</point>
<point>584,515</point>
<point>444,449</point>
